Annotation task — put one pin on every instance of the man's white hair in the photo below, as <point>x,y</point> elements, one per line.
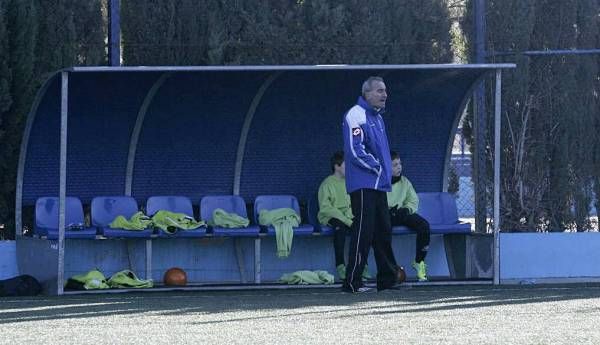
<point>368,84</point>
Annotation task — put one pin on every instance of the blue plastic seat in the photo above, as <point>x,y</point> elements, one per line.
<point>440,211</point>
<point>228,203</point>
<point>271,202</point>
<point>431,207</point>
<point>178,204</point>
<point>46,219</point>
<point>106,208</point>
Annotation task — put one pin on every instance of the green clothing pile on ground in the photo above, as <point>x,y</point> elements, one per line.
<point>126,279</point>
<point>307,277</point>
<point>95,279</point>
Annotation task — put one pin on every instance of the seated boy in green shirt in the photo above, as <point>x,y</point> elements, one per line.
<point>335,211</point>
<point>404,203</point>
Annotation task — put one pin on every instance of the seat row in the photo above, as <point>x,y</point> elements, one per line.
<point>438,208</point>
<point>104,209</point>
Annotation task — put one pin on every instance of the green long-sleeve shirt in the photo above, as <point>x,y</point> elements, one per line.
<point>283,220</point>
<point>403,195</point>
<point>334,201</point>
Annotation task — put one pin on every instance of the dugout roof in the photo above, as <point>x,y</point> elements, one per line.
<point>247,130</point>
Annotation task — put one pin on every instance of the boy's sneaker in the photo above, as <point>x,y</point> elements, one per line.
<point>341,271</point>
<point>365,273</point>
<point>421,269</point>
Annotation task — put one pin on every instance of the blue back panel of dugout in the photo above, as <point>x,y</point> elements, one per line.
<point>298,126</point>
<point>189,139</point>
<point>102,112</point>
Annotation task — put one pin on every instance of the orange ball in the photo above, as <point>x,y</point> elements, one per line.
<point>175,276</point>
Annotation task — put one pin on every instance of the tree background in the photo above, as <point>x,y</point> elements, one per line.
<point>551,112</point>
<point>550,152</point>
<point>38,37</point>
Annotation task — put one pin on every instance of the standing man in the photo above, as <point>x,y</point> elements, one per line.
<point>368,179</point>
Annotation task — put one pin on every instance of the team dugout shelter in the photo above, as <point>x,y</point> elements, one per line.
<point>181,134</point>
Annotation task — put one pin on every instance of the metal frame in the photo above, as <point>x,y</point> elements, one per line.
<point>257,261</point>
<point>497,124</point>
<point>548,52</point>
<point>137,129</point>
<point>461,109</point>
<point>287,67</point>
<point>23,157</point>
<point>480,120</point>
<point>64,116</point>
<point>241,150</point>
<point>114,32</point>
<point>148,259</point>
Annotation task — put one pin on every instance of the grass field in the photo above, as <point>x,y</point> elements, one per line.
<point>531,314</point>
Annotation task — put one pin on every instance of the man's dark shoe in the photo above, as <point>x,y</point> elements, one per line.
<point>391,287</point>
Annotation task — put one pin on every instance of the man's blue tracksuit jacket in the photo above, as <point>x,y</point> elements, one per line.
<point>366,149</point>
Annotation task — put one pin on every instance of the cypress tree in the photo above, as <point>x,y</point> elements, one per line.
<point>284,32</point>
<point>5,72</point>
<point>585,108</point>
<point>166,32</point>
<point>38,37</point>
<point>21,24</point>
<point>5,98</point>
<point>56,38</point>
<point>90,32</point>
<point>564,86</point>
<point>550,106</point>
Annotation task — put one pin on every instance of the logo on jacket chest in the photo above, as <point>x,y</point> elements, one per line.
<point>376,126</point>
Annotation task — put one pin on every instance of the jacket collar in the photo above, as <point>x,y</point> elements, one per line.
<point>363,103</point>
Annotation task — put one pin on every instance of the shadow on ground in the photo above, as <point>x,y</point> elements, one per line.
<point>287,302</point>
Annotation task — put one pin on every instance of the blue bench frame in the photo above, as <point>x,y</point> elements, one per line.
<point>440,211</point>
<point>438,208</point>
